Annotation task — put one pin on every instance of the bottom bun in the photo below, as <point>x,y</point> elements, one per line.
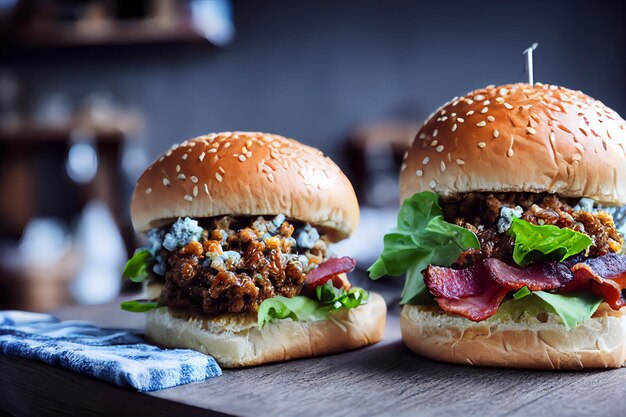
<point>235,340</point>
<point>538,341</point>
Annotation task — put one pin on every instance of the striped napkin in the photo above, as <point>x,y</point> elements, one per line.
<point>115,356</point>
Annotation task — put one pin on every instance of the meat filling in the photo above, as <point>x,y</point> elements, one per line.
<point>238,263</point>
<point>481,213</point>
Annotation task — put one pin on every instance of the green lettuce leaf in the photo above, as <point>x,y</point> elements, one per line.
<point>297,308</point>
<point>572,308</point>
<point>422,237</point>
<point>139,306</point>
<point>547,242</point>
<point>304,308</point>
<point>136,268</point>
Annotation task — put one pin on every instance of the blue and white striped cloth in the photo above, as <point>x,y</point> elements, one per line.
<point>115,356</point>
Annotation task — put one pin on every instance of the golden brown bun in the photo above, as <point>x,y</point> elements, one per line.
<point>245,173</point>
<point>600,342</point>
<point>235,340</point>
<point>520,138</point>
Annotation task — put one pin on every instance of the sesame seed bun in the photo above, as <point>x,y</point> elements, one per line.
<point>235,340</point>
<point>536,342</point>
<point>245,174</point>
<point>520,138</point>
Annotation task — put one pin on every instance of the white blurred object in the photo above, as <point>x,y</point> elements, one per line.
<point>102,256</point>
<point>82,158</point>
<point>366,243</point>
<point>214,19</point>
<point>44,239</point>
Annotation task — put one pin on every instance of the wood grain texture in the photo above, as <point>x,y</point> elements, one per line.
<point>385,379</point>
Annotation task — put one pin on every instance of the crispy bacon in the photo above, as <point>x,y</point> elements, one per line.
<point>477,292</point>
<point>455,283</point>
<point>331,269</point>
<point>473,293</point>
<point>604,276</point>
<point>540,276</point>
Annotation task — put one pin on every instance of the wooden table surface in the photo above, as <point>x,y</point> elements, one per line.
<point>385,379</point>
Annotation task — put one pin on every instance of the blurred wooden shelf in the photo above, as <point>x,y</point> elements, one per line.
<point>113,33</point>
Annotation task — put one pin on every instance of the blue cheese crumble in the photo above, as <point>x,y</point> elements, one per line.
<point>307,236</point>
<point>506,217</point>
<point>181,233</point>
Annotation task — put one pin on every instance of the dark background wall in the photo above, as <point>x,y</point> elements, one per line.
<point>314,69</point>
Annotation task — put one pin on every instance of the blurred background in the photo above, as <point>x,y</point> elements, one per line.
<point>92,91</point>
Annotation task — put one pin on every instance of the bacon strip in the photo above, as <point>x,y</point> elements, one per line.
<point>540,276</point>
<point>331,269</point>
<point>455,283</point>
<point>469,292</point>
<point>477,292</point>
<point>604,276</point>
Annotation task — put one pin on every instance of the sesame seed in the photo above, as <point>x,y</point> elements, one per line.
<point>177,168</point>
<point>181,177</point>
<point>460,162</point>
<point>194,179</point>
<point>481,124</point>
<point>454,127</point>
<point>419,172</point>
<point>195,191</point>
<point>460,120</point>
<point>577,157</point>
<point>442,166</point>
<point>148,190</point>
<point>185,155</point>
<point>496,133</point>
<point>499,100</point>
<point>422,135</point>
<point>426,160</point>
<point>166,182</point>
<point>435,133</point>
<point>479,97</point>
<point>503,91</point>
<point>201,156</point>
<point>439,148</point>
<point>510,152</point>
<point>249,143</point>
<point>508,106</point>
<point>206,189</point>
<point>434,143</point>
<point>530,130</point>
<point>469,101</point>
<point>469,113</point>
<point>449,157</point>
<point>484,110</point>
<point>188,198</point>
<point>244,150</point>
<point>227,145</point>
<point>432,183</point>
<point>241,158</point>
<point>403,166</point>
<point>168,153</point>
<point>491,118</point>
<point>481,145</point>
<point>270,177</point>
<point>249,154</point>
<point>486,103</point>
<point>221,170</point>
<point>212,150</point>
<point>218,177</point>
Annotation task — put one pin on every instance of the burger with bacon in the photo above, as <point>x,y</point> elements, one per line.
<point>509,231</point>
<point>238,263</point>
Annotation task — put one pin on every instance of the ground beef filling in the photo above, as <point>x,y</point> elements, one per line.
<point>233,269</point>
<point>479,212</point>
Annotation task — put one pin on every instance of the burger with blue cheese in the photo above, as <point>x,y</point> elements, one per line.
<point>511,231</point>
<point>238,263</point>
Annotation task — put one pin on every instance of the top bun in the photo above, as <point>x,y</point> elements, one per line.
<point>245,174</point>
<point>520,138</point>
